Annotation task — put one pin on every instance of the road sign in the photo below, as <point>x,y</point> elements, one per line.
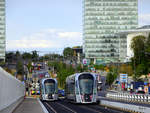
<point>86,62</point>
<point>124,78</point>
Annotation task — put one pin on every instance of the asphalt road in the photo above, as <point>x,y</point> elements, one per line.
<point>62,106</point>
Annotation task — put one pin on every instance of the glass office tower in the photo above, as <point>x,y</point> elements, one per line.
<point>2,30</point>
<point>102,20</point>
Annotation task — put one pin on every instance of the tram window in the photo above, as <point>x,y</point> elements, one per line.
<point>49,87</point>
<point>86,86</point>
<point>71,88</point>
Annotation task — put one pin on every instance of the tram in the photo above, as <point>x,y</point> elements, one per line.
<point>82,88</point>
<point>49,89</point>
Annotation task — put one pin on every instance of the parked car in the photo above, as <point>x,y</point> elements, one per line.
<point>61,92</point>
<point>140,91</point>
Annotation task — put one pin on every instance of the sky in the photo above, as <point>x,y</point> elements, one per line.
<point>49,26</point>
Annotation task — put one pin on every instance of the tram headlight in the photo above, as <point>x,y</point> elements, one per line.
<point>46,95</point>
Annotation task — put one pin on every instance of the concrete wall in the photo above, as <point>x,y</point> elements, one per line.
<point>11,90</point>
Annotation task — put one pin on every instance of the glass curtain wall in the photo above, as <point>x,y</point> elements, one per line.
<point>2,29</point>
<point>102,19</point>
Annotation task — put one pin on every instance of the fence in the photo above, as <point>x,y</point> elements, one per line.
<point>126,107</point>
<point>145,98</point>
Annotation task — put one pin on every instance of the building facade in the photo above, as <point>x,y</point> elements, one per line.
<point>102,20</point>
<point>128,36</point>
<point>2,30</point>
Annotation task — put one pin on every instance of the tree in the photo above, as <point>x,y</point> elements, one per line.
<point>10,56</point>
<point>26,56</point>
<point>20,69</point>
<point>35,55</point>
<point>17,54</point>
<point>147,50</point>
<point>100,67</point>
<point>138,47</point>
<point>68,52</point>
<point>111,76</point>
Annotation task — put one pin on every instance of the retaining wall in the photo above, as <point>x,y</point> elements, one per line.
<point>11,90</point>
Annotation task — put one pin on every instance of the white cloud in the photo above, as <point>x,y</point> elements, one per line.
<point>144,19</point>
<point>46,39</point>
<point>69,34</point>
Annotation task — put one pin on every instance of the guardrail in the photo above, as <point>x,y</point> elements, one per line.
<point>145,98</point>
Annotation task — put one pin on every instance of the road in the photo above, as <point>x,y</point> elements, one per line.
<point>62,106</point>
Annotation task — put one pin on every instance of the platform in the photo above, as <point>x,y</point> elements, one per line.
<point>29,105</point>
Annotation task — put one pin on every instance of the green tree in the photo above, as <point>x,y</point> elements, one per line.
<point>10,56</point>
<point>62,71</point>
<point>20,68</point>
<point>140,69</point>
<point>147,50</point>
<point>139,61</point>
<point>111,76</point>
<point>138,47</point>
<point>99,67</point>
<point>26,56</point>
<point>18,54</point>
<point>68,52</point>
<point>35,55</point>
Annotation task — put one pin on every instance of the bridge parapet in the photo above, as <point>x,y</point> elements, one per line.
<point>11,91</point>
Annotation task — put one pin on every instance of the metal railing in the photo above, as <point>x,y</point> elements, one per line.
<point>145,98</point>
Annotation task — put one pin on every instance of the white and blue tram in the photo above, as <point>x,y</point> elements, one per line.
<point>82,88</point>
<point>49,89</point>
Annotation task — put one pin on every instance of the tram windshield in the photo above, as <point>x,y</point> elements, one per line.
<point>49,87</point>
<point>86,84</point>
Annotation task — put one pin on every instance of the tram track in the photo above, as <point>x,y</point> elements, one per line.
<point>102,109</point>
<point>56,107</point>
<point>62,106</point>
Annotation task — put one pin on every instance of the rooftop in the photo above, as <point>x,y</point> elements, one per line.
<point>145,28</point>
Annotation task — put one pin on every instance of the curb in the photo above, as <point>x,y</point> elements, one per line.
<point>43,107</point>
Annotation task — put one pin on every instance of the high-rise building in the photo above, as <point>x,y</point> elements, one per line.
<point>2,30</point>
<point>102,20</point>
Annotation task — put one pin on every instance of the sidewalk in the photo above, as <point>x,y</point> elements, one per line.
<point>29,105</point>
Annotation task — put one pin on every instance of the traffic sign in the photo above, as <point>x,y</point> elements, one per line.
<point>124,78</point>
<point>86,62</point>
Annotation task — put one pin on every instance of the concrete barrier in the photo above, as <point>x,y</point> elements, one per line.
<point>11,91</point>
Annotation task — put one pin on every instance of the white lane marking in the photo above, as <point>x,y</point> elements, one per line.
<point>51,108</point>
<point>43,107</point>
<point>67,108</point>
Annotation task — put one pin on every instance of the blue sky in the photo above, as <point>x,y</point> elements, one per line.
<point>50,25</point>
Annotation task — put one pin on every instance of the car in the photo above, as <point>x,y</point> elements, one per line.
<point>61,92</point>
<point>140,92</point>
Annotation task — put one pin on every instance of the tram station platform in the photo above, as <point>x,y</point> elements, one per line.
<point>29,105</point>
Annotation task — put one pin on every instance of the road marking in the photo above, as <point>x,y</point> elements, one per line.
<point>43,107</point>
<point>51,107</point>
<point>67,108</point>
